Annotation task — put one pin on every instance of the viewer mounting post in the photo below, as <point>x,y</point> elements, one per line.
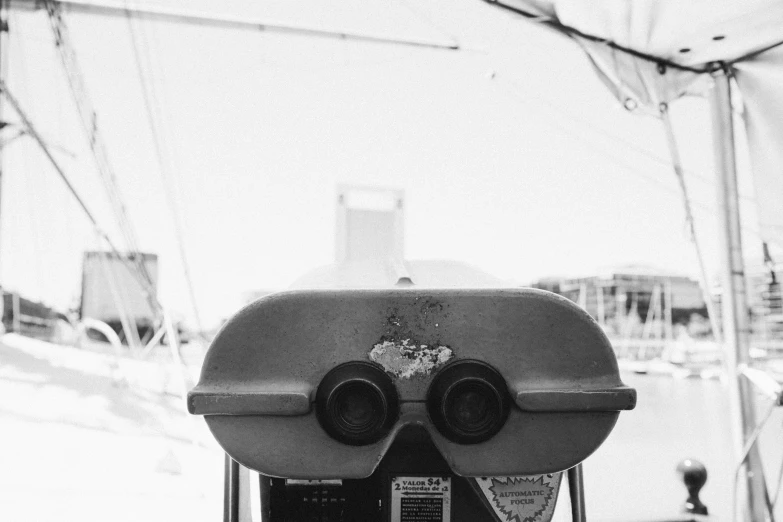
<point>734,299</point>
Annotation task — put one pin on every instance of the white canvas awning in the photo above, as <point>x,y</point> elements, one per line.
<point>655,51</point>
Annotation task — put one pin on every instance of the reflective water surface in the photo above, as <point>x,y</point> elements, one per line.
<point>632,476</point>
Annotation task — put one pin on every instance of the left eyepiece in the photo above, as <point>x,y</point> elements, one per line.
<point>357,403</point>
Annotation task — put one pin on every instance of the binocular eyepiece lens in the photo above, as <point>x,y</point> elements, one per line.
<point>468,402</point>
<point>357,403</point>
<point>470,407</point>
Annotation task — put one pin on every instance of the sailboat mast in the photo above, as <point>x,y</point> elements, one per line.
<point>734,299</point>
<point>4,40</point>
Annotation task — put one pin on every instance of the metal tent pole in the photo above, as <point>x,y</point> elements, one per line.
<point>576,488</point>
<point>734,299</point>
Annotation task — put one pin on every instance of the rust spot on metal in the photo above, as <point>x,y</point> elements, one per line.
<point>406,359</point>
<point>419,323</point>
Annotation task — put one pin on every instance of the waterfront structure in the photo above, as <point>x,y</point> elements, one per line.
<point>636,300</point>
<point>28,317</point>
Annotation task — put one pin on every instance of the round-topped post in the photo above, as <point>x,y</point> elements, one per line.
<point>694,476</point>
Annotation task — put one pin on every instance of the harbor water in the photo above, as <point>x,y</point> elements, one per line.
<point>632,476</point>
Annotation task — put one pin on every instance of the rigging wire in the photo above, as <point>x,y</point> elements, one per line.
<point>253,24</point>
<point>34,134</point>
<point>150,101</point>
<point>613,157</point>
<point>749,443</point>
<point>34,227</point>
<point>590,125</point>
<point>691,222</point>
<point>612,153</point>
<point>89,121</point>
<point>769,262</point>
<point>776,496</point>
<point>28,183</point>
<point>79,200</point>
<point>428,20</point>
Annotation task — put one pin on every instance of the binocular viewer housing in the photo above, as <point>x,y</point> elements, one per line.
<point>318,384</point>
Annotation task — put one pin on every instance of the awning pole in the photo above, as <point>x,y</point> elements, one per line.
<point>734,299</point>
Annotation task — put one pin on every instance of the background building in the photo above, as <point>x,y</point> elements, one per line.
<point>636,300</point>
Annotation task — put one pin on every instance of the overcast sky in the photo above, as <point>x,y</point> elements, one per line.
<point>512,155</point>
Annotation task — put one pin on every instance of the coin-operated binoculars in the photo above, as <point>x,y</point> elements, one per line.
<point>408,404</point>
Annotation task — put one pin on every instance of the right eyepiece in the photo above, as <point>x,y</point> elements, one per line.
<point>468,401</point>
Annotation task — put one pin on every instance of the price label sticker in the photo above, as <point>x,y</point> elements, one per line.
<point>420,499</point>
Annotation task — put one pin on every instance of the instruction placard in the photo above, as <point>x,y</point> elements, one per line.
<point>521,499</point>
<point>420,499</point>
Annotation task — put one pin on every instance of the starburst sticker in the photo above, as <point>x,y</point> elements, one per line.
<point>521,499</point>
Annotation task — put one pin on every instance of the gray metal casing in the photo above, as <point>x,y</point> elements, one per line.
<point>259,377</point>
